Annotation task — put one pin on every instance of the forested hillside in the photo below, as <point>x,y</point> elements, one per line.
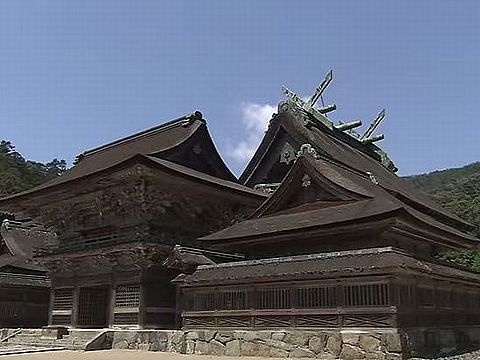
<point>458,190</point>
<point>18,174</point>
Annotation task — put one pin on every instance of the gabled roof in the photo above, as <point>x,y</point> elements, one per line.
<point>349,195</point>
<point>158,142</point>
<point>336,146</point>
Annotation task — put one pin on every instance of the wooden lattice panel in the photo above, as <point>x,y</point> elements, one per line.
<point>63,299</point>
<point>203,301</point>
<point>273,299</point>
<point>317,321</point>
<point>232,300</point>
<point>367,295</point>
<point>273,321</point>
<point>317,297</point>
<point>127,296</point>
<point>200,321</point>
<point>234,321</point>
<point>370,320</point>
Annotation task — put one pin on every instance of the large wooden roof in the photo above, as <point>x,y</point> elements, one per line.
<point>341,148</point>
<point>323,265</point>
<point>334,195</point>
<point>336,183</point>
<point>182,145</point>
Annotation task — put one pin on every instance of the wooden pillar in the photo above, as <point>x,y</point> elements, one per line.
<point>75,306</point>
<point>50,306</point>
<point>111,304</point>
<point>178,307</point>
<point>142,309</point>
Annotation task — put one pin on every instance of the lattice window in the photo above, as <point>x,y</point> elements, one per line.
<point>317,297</point>
<point>63,299</point>
<point>203,301</point>
<point>367,295</point>
<point>232,300</point>
<point>127,296</point>
<point>273,299</point>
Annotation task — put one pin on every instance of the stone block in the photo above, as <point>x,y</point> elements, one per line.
<point>374,356</point>
<point>192,335</point>
<point>263,335</point>
<point>216,348</point>
<point>202,348</point>
<point>190,347</point>
<point>334,345</point>
<point>278,335</point>
<point>393,343</point>
<point>279,344</point>
<point>209,335</point>
<point>278,353</point>
<point>158,345</point>
<point>224,336</point>
<point>317,343</point>
<point>369,343</point>
<point>350,352</point>
<point>351,339</point>
<point>299,338</point>
<point>302,353</point>
<point>254,349</point>
<point>240,335</point>
<point>232,348</point>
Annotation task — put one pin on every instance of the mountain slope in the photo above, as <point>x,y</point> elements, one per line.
<point>18,174</point>
<point>458,190</point>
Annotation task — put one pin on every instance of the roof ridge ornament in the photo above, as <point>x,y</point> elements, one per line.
<point>307,150</point>
<point>311,115</point>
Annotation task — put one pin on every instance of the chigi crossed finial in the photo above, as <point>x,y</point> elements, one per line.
<point>319,114</point>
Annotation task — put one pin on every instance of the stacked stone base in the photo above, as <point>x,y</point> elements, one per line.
<point>388,345</point>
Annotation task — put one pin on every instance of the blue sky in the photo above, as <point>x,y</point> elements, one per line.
<point>74,75</point>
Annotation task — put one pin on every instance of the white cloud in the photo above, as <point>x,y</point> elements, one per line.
<point>255,118</point>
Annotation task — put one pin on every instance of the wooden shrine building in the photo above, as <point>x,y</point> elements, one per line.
<point>24,285</point>
<point>116,216</point>
<point>319,233</point>
<point>342,242</point>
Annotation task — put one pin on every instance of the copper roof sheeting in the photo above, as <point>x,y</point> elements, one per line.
<point>323,265</point>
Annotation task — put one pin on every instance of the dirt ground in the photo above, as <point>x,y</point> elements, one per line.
<point>116,355</point>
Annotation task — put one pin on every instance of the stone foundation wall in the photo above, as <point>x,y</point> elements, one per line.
<point>282,344</point>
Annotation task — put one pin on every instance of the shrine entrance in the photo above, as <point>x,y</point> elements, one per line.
<point>92,307</point>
